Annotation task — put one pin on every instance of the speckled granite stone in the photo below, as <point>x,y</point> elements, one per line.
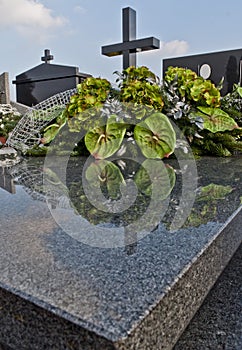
<point>4,347</point>
<point>218,323</point>
<point>164,324</point>
<point>58,293</point>
<point>26,326</point>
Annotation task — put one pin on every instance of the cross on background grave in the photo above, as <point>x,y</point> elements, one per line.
<point>47,56</point>
<point>130,45</point>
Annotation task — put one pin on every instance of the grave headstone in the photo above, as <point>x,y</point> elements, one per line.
<point>213,66</point>
<point>4,88</point>
<point>130,45</point>
<point>45,80</point>
<point>6,181</point>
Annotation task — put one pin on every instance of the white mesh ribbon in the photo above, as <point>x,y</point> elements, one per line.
<point>26,134</point>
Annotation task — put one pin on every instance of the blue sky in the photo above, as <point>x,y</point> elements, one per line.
<point>75,30</point>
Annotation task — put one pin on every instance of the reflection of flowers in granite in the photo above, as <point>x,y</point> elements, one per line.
<point>108,178</point>
<point>122,207</point>
<point>9,117</point>
<point>207,201</point>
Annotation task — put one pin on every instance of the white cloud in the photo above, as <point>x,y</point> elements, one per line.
<point>29,17</point>
<point>80,9</point>
<point>174,48</point>
<point>153,59</point>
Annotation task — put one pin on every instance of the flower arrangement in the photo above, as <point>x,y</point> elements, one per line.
<point>9,117</point>
<point>141,109</point>
<point>206,118</point>
<point>112,116</point>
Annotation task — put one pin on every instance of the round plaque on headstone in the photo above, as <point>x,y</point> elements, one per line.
<point>205,71</point>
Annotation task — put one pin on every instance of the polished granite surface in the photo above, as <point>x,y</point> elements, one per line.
<point>218,323</point>
<point>110,285</point>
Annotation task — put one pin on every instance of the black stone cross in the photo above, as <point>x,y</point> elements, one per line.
<point>130,45</point>
<point>47,57</point>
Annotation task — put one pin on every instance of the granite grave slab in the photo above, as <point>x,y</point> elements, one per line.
<point>218,323</point>
<point>59,292</point>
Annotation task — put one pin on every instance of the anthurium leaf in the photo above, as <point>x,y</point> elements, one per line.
<point>216,120</point>
<point>51,131</point>
<point>239,90</point>
<point>155,136</point>
<point>105,174</point>
<point>103,141</point>
<point>164,175</point>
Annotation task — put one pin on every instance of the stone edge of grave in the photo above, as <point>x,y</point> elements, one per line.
<point>163,326</point>
<point>160,328</point>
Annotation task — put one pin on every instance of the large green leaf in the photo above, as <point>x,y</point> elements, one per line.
<point>155,171</point>
<point>155,136</point>
<point>239,90</point>
<point>105,174</point>
<point>52,130</point>
<point>103,141</point>
<point>216,120</point>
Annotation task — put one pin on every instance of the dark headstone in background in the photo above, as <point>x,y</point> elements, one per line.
<point>225,64</point>
<point>45,80</point>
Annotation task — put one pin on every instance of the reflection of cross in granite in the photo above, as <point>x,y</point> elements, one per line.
<point>130,44</point>
<point>130,241</point>
<point>47,57</point>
